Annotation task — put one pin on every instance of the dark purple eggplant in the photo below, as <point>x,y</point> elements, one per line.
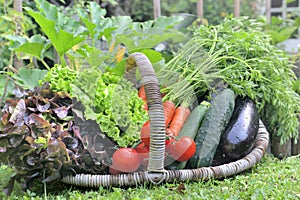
<point>238,138</point>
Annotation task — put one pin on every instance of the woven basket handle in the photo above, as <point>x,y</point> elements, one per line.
<point>155,110</point>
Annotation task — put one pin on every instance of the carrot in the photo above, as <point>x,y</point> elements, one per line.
<point>169,133</point>
<point>145,107</point>
<point>181,114</point>
<point>142,93</point>
<point>169,110</point>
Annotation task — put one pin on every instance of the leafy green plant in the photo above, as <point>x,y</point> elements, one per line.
<point>5,85</point>
<point>60,78</point>
<point>252,66</point>
<point>28,78</point>
<point>239,55</point>
<point>4,52</point>
<point>25,79</point>
<point>63,31</point>
<point>43,144</point>
<point>6,173</point>
<point>296,86</point>
<point>280,29</point>
<point>123,31</point>
<point>147,35</point>
<point>90,37</point>
<point>8,20</point>
<point>35,46</point>
<point>113,102</point>
<point>7,27</point>
<point>94,39</point>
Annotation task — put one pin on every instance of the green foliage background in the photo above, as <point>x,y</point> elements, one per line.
<point>36,38</point>
<point>213,12</point>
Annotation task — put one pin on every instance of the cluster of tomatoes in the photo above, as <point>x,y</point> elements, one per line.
<point>127,160</point>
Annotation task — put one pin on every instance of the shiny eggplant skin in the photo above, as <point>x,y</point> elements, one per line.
<point>238,138</point>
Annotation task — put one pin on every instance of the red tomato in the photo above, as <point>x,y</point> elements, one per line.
<point>168,142</point>
<point>145,133</point>
<point>182,149</point>
<point>126,160</point>
<point>142,148</point>
<point>143,151</point>
<point>113,171</point>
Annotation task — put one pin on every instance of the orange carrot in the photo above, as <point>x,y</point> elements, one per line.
<point>145,107</point>
<point>142,93</point>
<point>169,133</point>
<point>169,110</point>
<point>181,114</point>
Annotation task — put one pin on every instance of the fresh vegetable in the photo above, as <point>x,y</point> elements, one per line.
<point>169,110</point>
<point>142,93</point>
<point>190,129</point>
<point>60,78</point>
<point>145,107</point>
<point>189,75</point>
<point>194,120</point>
<point>38,133</point>
<point>113,102</point>
<point>112,170</point>
<point>240,133</point>
<point>169,140</point>
<point>145,133</point>
<point>213,125</point>
<point>143,152</point>
<point>253,67</point>
<point>182,149</point>
<point>180,116</point>
<point>126,160</point>
<point>239,54</point>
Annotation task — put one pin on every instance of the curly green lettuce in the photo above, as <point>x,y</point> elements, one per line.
<point>113,102</point>
<point>60,78</point>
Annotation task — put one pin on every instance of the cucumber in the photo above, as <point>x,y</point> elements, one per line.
<point>192,123</point>
<point>190,129</point>
<point>212,127</point>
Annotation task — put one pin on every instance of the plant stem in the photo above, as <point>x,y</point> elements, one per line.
<point>4,94</point>
<point>18,8</point>
<point>62,60</point>
<point>45,64</point>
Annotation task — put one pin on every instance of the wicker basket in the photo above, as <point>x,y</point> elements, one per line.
<point>155,172</point>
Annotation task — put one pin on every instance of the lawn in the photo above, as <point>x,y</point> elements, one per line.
<point>85,51</point>
<point>270,179</point>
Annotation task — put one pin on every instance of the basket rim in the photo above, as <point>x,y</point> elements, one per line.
<point>204,173</point>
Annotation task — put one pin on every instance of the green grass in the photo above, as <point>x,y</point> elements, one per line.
<point>270,179</point>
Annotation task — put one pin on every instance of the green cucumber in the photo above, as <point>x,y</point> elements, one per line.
<point>190,129</point>
<point>212,127</point>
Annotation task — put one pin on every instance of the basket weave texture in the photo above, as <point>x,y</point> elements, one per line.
<point>155,172</point>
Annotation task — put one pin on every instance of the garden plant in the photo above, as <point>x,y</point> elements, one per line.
<point>96,94</point>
